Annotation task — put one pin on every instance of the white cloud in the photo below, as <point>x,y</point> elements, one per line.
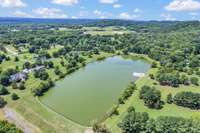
<point>50,13</point>
<point>65,2</point>
<point>183,5</point>
<point>124,15</point>
<point>12,3</point>
<point>128,16</point>
<point>102,14</point>
<point>168,17</point>
<point>74,17</point>
<point>22,14</point>
<point>97,12</point>
<point>103,17</point>
<point>137,10</point>
<point>117,6</point>
<point>108,1</point>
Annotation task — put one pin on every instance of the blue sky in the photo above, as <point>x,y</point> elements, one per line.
<point>112,9</point>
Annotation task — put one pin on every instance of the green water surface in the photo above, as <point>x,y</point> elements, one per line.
<point>89,93</point>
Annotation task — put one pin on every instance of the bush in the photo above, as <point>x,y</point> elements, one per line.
<point>16,59</point>
<point>41,74</point>
<point>22,86</point>
<point>198,73</point>
<point>62,75</point>
<point>194,81</point>
<point>101,58</point>
<point>134,122</point>
<point>6,127</point>
<point>2,102</point>
<point>57,71</point>
<point>43,87</point>
<point>114,111</point>
<point>99,128</point>
<point>184,80</point>
<point>71,70</point>
<point>49,64</point>
<point>169,99</point>
<point>14,85</point>
<point>187,99</point>
<point>120,101</point>
<point>14,96</point>
<point>151,97</point>
<point>3,90</point>
<point>131,109</point>
<point>153,65</point>
<point>151,76</point>
<point>5,80</point>
<point>127,93</point>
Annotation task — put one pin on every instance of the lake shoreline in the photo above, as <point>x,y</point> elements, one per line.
<point>86,128</point>
<point>130,57</point>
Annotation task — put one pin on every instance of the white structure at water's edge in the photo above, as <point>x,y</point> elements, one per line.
<point>138,75</point>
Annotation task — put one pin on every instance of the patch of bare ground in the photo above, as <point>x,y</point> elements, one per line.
<point>89,130</point>
<point>13,117</point>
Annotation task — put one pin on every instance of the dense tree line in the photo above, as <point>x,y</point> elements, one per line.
<point>135,122</point>
<point>127,93</point>
<point>151,97</point>
<point>187,99</point>
<point>174,79</point>
<point>41,74</point>
<point>5,76</point>
<point>74,61</point>
<point>43,87</point>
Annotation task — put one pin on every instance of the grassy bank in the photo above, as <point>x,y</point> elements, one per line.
<point>167,110</point>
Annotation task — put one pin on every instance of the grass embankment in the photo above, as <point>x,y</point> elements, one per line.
<point>167,110</point>
<point>31,109</point>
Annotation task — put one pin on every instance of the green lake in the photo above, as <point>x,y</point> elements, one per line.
<point>90,92</point>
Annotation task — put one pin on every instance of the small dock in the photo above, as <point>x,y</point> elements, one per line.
<point>138,75</point>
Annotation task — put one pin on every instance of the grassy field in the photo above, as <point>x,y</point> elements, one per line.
<point>167,110</point>
<point>112,30</point>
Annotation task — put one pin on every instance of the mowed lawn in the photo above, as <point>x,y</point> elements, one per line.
<point>167,110</point>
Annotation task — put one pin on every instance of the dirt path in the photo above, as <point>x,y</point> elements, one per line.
<point>89,130</point>
<point>11,52</point>
<point>13,117</point>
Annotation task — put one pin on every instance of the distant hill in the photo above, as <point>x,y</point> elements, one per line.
<point>97,22</point>
<point>13,20</point>
<point>138,26</point>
